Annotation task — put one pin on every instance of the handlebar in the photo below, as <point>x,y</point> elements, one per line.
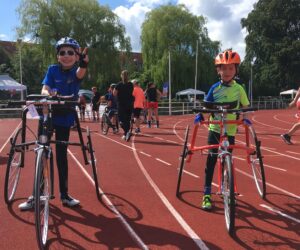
<point>37,99</point>
<point>232,111</point>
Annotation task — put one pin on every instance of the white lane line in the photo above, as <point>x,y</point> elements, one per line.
<point>291,152</point>
<point>280,169</point>
<point>270,185</point>
<point>191,174</point>
<point>280,213</point>
<point>145,154</point>
<point>128,228</point>
<point>265,165</point>
<point>159,138</point>
<point>5,143</point>
<point>289,156</point>
<point>168,205</point>
<point>172,141</point>
<point>164,162</point>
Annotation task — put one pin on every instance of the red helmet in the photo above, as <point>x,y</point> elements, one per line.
<point>228,57</point>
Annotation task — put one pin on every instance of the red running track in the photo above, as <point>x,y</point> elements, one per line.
<point>139,209</point>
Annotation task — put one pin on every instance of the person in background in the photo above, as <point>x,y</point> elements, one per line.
<point>139,103</point>
<point>226,90</point>
<point>112,106</point>
<point>152,95</point>
<point>295,103</point>
<point>65,78</point>
<point>123,92</point>
<point>95,103</point>
<point>82,107</point>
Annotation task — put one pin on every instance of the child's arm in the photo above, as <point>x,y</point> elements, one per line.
<point>83,62</point>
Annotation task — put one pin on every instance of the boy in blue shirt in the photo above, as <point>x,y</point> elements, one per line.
<point>65,77</point>
<point>226,90</point>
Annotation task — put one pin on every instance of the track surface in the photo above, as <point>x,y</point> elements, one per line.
<point>139,209</point>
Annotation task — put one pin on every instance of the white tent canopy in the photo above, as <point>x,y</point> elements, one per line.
<point>291,92</point>
<point>9,84</point>
<point>190,92</point>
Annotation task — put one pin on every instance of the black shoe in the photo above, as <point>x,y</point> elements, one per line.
<point>286,138</point>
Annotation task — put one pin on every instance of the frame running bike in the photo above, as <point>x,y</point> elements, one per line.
<point>106,122</point>
<point>227,185</point>
<point>44,177</point>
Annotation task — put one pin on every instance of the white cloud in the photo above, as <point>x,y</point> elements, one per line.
<point>4,37</point>
<point>223,19</point>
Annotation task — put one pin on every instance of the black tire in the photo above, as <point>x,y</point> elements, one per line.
<point>182,160</point>
<point>92,161</point>
<point>42,196</point>
<point>104,124</point>
<point>256,163</point>
<point>13,168</point>
<point>228,195</point>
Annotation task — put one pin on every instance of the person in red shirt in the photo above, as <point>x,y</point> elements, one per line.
<point>138,106</point>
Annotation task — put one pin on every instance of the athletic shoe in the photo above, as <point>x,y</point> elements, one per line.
<point>137,130</point>
<point>286,138</point>
<point>27,205</point>
<point>127,137</point>
<point>206,202</point>
<point>70,201</point>
<point>149,124</point>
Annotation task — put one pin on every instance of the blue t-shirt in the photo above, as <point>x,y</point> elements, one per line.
<point>66,83</point>
<point>112,98</point>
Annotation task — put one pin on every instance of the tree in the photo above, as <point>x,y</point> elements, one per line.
<point>273,44</point>
<point>173,29</point>
<point>33,66</point>
<point>92,25</point>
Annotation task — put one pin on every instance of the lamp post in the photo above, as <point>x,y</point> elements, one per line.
<point>20,59</point>
<point>251,82</point>
<point>196,74</point>
<point>170,95</point>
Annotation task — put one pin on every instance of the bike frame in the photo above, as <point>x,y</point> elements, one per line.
<point>223,147</point>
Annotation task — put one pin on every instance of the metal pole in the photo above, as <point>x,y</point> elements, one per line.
<point>251,97</point>
<point>250,87</point>
<point>196,75</point>
<point>20,59</point>
<point>170,96</point>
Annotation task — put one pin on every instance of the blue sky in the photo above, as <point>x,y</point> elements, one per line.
<point>223,18</point>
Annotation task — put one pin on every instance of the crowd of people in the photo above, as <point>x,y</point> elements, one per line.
<point>129,101</point>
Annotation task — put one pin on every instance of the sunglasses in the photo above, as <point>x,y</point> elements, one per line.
<point>66,52</point>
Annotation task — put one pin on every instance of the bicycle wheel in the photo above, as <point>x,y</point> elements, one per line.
<point>104,124</point>
<point>13,168</point>
<point>227,188</point>
<point>92,161</point>
<point>182,160</point>
<point>256,162</point>
<point>42,194</point>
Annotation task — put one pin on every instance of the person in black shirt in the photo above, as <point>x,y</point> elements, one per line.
<point>152,96</point>
<point>95,103</point>
<point>125,100</point>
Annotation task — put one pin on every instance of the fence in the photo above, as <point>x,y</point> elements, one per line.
<point>182,108</point>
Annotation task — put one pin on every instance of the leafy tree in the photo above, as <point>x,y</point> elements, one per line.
<point>92,25</point>
<point>33,66</point>
<point>173,29</point>
<point>273,44</point>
